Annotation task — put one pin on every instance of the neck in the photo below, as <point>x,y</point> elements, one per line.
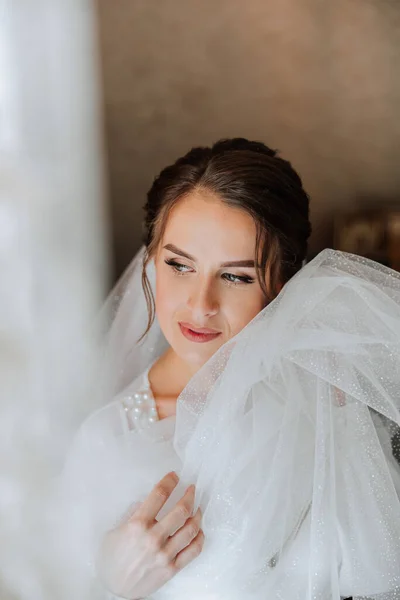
<point>168,377</point>
<point>179,371</point>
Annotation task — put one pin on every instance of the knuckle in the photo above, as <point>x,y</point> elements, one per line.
<point>163,558</point>
<point>183,511</point>
<point>136,526</point>
<point>161,491</point>
<point>199,540</point>
<point>192,530</point>
<point>196,548</point>
<point>154,542</point>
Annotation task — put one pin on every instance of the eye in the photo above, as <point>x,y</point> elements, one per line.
<point>237,279</point>
<point>178,268</point>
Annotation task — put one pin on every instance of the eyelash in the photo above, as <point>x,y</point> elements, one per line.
<point>239,279</point>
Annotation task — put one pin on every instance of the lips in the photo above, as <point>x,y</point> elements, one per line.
<point>198,329</point>
<point>196,334</point>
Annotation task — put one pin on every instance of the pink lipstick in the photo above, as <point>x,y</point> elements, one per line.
<point>198,334</point>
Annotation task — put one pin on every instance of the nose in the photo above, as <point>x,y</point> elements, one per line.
<point>202,300</point>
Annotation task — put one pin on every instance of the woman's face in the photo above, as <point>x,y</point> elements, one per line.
<point>206,284</point>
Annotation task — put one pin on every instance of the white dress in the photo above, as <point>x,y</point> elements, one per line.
<point>286,432</point>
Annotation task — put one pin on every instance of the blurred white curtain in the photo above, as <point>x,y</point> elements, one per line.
<point>52,259</point>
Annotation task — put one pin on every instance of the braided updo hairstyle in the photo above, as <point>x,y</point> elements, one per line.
<point>246,175</point>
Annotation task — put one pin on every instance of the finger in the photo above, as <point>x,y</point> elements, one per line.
<point>190,552</point>
<point>154,502</point>
<point>183,537</point>
<point>178,515</point>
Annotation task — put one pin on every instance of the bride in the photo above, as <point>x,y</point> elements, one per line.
<point>248,450</point>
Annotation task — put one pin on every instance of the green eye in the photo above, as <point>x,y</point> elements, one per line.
<point>177,267</point>
<point>181,269</point>
<point>237,279</point>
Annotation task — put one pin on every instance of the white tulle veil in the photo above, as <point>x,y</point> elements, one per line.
<point>288,432</point>
<point>125,318</point>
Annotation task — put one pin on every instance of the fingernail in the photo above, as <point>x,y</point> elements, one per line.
<point>175,475</point>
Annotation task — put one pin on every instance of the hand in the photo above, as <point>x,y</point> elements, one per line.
<point>142,554</point>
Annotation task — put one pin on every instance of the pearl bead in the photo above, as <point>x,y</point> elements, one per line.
<point>140,409</point>
<point>128,401</point>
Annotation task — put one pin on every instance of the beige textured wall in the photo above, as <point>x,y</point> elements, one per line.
<point>317,79</point>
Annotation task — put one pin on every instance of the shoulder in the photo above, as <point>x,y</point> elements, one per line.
<point>107,422</point>
<point>98,435</point>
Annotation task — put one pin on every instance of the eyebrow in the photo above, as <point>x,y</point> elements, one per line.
<point>234,263</point>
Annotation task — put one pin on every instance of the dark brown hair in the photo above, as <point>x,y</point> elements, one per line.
<point>246,175</point>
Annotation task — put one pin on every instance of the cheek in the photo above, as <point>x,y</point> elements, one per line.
<point>243,310</point>
<point>166,298</point>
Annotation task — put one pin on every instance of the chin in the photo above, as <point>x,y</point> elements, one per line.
<point>193,357</point>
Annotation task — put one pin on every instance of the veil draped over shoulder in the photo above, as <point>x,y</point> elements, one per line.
<point>289,433</point>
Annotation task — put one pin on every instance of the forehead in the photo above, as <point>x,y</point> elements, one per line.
<point>202,223</point>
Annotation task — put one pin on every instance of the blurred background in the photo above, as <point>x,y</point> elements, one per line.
<point>317,80</point>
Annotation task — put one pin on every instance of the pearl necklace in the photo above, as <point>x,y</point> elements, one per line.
<point>140,407</point>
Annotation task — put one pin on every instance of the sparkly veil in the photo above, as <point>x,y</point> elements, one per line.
<point>289,433</point>
<point>124,318</point>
